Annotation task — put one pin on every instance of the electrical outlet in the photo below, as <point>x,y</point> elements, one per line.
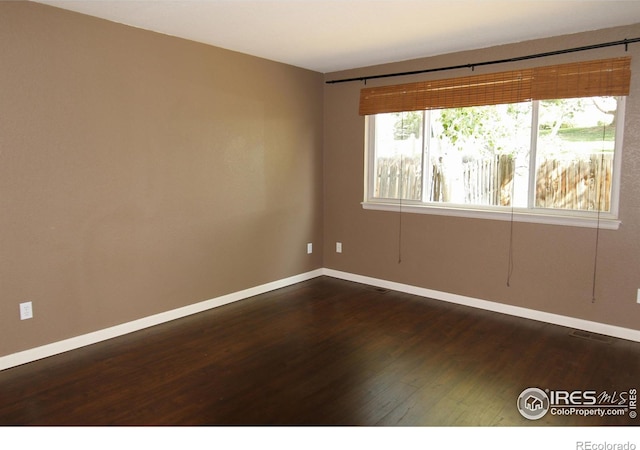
<point>309,248</point>
<point>638,297</point>
<point>26,310</point>
<point>338,247</point>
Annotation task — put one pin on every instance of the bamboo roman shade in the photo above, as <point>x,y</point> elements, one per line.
<point>606,77</point>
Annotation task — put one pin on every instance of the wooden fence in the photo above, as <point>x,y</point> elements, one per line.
<point>396,174</point>
<point>579,184</point>
<point>487,181</point>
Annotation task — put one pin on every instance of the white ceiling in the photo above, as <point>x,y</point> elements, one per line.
<point>332,35</point>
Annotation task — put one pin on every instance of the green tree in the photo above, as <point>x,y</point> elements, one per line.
<point>407,123</point>
<point>607,105</point>
<point>484,129</point>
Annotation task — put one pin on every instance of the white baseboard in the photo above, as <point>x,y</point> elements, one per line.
<point>73,343</point>
<point>66,345</point>
<point>556,319</point>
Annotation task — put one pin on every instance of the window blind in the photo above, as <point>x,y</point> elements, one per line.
<point>606,77</point>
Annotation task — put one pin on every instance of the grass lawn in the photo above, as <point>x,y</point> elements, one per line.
<point>588,134</point>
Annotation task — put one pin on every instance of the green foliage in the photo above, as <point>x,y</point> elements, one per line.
<point>504,129</point>
<point>485,129</point>
<point>406,124</point>
<point>460,123</point>
<point>556,114</point>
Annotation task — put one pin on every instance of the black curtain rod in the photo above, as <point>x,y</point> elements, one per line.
<point>624,42</point>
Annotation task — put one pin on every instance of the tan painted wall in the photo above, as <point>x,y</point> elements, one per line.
<point>140,173</point>
<point>553,265</point>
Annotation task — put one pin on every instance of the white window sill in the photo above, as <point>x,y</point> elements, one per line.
<point>548,217</point>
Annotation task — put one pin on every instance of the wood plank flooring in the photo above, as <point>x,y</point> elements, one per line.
<point>322,352</point>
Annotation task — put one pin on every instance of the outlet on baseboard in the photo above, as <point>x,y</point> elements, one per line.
<point>26,310</point>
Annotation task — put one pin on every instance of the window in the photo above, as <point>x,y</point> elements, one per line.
<point>549,160</point>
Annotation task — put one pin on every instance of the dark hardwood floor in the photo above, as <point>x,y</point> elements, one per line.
<point>325,351</point>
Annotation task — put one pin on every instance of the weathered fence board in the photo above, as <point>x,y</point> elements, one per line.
<point>395,175</point>
<point>579,184</point>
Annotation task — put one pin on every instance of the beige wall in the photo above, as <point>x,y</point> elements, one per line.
<point>140,173</point>
<point>553,265</point>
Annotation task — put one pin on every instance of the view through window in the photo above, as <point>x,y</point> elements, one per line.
<point>551,155</point>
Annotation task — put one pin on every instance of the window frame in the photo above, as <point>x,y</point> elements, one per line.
<point>531,214</point>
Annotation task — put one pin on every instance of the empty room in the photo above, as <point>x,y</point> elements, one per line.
<point>354,213</point>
